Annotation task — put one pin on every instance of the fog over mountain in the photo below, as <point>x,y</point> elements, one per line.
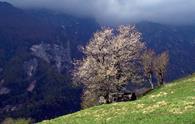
<point>120,11</point>
<point>37,47</point>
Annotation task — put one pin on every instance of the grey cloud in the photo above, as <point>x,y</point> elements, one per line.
<point>121,11</point>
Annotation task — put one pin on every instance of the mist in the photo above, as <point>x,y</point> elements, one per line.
<point>177,12</point>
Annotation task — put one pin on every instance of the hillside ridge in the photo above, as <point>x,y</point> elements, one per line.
<point>170,104</point>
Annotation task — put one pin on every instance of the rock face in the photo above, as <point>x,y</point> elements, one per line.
<point>30,67</point>
<point>3,90</point>
<point>36,51</point>
<point>32,85</point>
<point>53,54</point>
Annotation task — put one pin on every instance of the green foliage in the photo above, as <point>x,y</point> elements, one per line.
<point>170,104</point>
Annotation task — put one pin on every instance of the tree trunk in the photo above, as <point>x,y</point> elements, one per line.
<point>150,81</point>
<point>151,84</point>
<point>161,79</point>
<point>107,97</point>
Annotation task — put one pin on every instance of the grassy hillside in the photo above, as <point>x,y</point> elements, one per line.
<point>171,104</point>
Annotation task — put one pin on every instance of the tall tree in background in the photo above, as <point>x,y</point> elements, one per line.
<point>112,59</point>
<point>148,58</point>
<point>160,66</point>
<point>154,64</point>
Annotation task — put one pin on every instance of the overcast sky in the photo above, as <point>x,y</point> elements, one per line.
<point>120,11</point>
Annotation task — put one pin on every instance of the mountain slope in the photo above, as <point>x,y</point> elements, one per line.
<point>38,46</point>
<point>171,104</point>
<point>179,41</point>
<point>36,51</point>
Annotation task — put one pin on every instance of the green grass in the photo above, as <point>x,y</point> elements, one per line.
<point>171,104</point>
